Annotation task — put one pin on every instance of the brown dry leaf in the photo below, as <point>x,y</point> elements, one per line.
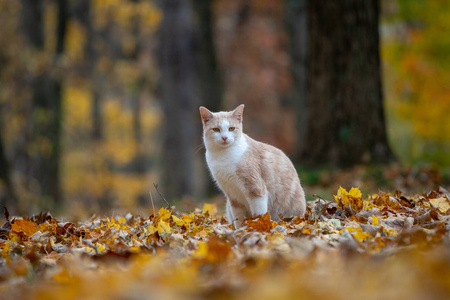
<point>27,227</point>
<point>262,223</point>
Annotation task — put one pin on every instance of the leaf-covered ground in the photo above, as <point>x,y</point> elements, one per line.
<point>377,247</point>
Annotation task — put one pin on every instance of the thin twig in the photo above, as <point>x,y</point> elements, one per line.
<point>151,198</point>
<point>320,198</point>
<point>156,187</point>
<point>89,243</point>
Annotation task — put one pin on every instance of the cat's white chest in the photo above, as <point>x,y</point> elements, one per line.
<point>223,165</point>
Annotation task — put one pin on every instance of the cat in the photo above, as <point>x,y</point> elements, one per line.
<point>255,177</point>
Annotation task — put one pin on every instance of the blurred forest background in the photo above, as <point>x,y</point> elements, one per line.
<point>99,98</point>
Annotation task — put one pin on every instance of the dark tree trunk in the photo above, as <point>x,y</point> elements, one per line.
<point>178,98</point>
<point>82,11</point>
<point>190,77</point>
<point>46,133</point>
<point>346,123</point>
<point>8,198</point>
<point>32,22</point>
<point>211,88</point>
<point>208,67</point>
<point>297,29</point>
<point>46,103</point>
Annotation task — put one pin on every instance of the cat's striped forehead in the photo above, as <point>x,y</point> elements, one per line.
<point>223,119</point>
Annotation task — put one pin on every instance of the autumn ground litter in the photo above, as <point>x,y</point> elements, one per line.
<point>380,246</point>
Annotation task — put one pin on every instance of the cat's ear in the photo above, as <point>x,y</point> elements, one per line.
<point>206,114</point>
<point>238,112</point>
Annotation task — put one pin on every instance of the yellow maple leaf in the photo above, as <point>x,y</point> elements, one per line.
<point>188,218</point>
<point>441,203</point>
<point>6,249</point>
<point>100,247</point>
<point>210,208</point>
<point>351,198</point>
<point>163,227</point>
<point>178,221</point>
<point>151,229</point>
<point>163,214</point>
<point>374,220</point>
<point>357,233</point>
<point>360,235</point>
<point>355,192</point>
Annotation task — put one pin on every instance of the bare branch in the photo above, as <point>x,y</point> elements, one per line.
<point>156,187</point>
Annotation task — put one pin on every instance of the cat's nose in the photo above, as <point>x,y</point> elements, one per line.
<point>224,138</point>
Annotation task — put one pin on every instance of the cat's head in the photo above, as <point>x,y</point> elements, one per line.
<point>223,128</point>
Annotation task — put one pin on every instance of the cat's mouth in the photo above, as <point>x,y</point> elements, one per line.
<point>225,143</point>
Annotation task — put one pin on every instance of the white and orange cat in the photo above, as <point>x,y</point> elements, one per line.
<point>255,177</point>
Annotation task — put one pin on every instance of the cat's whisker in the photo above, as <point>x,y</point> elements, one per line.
<point>199,147</point>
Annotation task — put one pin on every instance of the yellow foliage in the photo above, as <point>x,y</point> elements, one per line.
<point>6,249</point>
<point>150,14</point>
<point>178,221</point>
<point>374,220</point>
<point>416,64</point>
<point>164,214</point>
<point>77,102</point>
<point>210,208</point>
<point>357,233</point>
<point>188,218</point>
<point>351,198</point>
<point>163,227</point>
<point>75,40</point>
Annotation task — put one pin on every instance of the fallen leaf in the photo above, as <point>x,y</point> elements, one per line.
<point>262,223</point>
<point>374,220</point>
<point>351,198</point>
<point>442,204</point>
<point>27,227</point>
<point>210,208</point>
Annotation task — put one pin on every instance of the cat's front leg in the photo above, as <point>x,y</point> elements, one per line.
<point>229,211</point>
<point>236,213</point>
<point>260,205</point>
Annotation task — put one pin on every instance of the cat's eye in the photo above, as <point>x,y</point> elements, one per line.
<point>216,129</point>
<point>231,128</point>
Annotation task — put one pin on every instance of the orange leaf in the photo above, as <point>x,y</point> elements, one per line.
<point>213,251</point>
<point>27,227</point>
<point>260,224</point>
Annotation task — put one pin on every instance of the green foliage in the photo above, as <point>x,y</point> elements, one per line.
<point>416,54</point>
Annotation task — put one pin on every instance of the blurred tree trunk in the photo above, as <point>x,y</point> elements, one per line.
<point>9,198</point>
<point>208,68</point>
<point>211,88</point>
<point>345,123</point>
<point>82,10</point>
<point>297,29</point>
<point>178,98</point>
<point>189,78</point>
<point>46,103</point>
